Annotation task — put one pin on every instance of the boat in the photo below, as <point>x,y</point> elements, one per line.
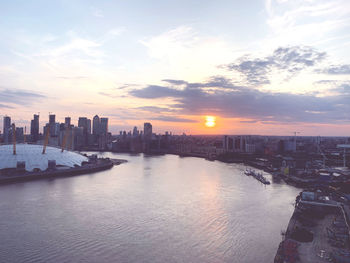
<point>258,176</point>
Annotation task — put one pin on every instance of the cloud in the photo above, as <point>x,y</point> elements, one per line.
<point>20,97</point>
<point>154,91</point>
<point>4,106</point>
<point>337,70</point>
<point>231,101</point>
<point>289,60</point>
<point>173,119</point>
<point>156,109</point>
<point>109,95</point>
<point>253,121</point>
<point>188,52</point>
<point>72,77</point>
<point>97,12</point>
<point>309,22</point>
<point>175,81</point>
<point>343,89</point>
<point>126,86</point>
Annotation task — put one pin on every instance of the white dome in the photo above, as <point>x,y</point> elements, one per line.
<point>32,155</point>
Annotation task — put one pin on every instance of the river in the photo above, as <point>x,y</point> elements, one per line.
<point>150,209</point>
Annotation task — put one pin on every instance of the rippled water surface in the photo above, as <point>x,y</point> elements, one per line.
<point>151,209</point>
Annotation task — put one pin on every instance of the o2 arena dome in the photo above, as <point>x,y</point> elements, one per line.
<point>32,155</point>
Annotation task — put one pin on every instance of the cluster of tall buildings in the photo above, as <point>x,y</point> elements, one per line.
<point>86,134</point>
<point>140,141</point>
<point>239,143</point>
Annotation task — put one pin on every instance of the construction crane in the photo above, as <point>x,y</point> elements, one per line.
<point>14,138</point>
<point>46,141</point>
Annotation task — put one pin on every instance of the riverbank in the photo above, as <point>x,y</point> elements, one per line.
<point>318,230</point>
<point>99,164</point>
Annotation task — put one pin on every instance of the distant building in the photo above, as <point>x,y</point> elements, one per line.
<point>225,142</point>
<point>135,132</point>
<point>286,146</point>
<point>88,126</point>
<point>250,148</point>
<point>6,128</point>
<point>96,125</point>
<point>52,126</point>
<point>104,126</point>
<point>147,131</point>
<point>52,118</point>
<point>67,121</point>
<point>19,134</point>
<point>34,128</point>
<point>84,124</point>
<point>78,140</point>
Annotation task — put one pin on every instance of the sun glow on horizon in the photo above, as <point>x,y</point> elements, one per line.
<point>210,121</point>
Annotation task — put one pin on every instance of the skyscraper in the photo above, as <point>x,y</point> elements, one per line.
<point>34,128</point>
<point>147,131</point>
<point>96,125</point>
<point>88,126</point>
<point>52,125</point>
<point>104,126</point>
<point>52,118</point>
<point>82,122</point>
<point>6,127</point>
<point>135,132</point>
<point>67,121</point>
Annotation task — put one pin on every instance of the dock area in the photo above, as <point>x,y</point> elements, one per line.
<point>318,230</point>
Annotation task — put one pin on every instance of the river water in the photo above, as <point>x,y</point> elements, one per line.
<point>151,209</point>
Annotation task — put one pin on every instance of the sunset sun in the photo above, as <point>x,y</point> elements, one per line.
<point>210,121</point>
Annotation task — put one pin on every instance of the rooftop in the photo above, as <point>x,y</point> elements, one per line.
<point>32,155</point>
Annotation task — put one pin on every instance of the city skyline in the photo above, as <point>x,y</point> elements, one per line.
<point>259,67</point>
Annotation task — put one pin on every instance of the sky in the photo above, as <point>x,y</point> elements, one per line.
<point>269,67</point>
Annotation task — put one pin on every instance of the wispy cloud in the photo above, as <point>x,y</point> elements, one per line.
<point>288,60</point>
<point>97,12</point>
<point>4,106</point>
<point>337,70</point>
<point>156,109</point>
<point>187,52</point>
<point>173,119</point>
<point>19,97</point>
<point>306,21</point>
<point>72,77</point>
